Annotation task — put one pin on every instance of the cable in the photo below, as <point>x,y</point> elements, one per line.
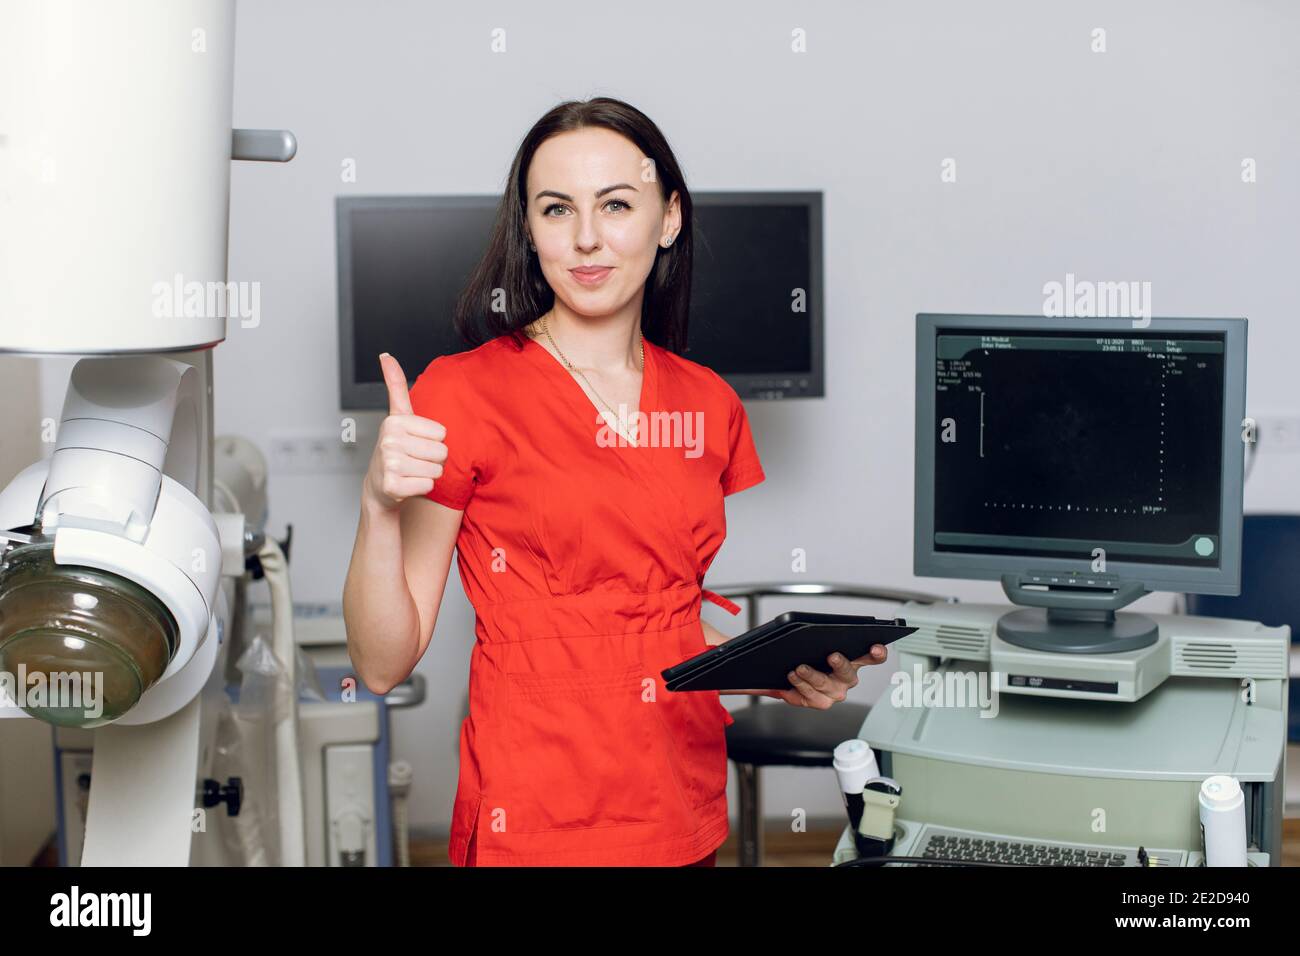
<point>1252,449</point>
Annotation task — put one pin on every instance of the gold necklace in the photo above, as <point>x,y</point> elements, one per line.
<point>574,368</point>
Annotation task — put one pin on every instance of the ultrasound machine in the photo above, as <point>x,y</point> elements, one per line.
<point>1083,463</point>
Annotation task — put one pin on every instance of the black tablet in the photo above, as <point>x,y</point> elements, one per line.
<point>760,659</point>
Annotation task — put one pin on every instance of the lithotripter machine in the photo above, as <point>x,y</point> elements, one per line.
<point>1083,463</point>
<point>119,554</point>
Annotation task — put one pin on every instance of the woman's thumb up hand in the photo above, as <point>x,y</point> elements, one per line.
<point>409,453</point>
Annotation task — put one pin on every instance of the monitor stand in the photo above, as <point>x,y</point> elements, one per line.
<point>1077,631</point>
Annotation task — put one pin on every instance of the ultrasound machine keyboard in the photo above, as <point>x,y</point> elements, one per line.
<point>950,844</point>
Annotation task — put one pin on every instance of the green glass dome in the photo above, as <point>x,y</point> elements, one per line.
<point>78,646</point>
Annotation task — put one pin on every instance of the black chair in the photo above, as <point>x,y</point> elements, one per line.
<point>1270,568</point>
<point>778,735</point>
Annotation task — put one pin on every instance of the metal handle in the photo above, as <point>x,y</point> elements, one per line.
<point>752,593</point>
<point>409,693</point>
<point>263,145</point>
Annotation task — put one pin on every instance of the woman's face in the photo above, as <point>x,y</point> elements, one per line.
<point>594,200</point>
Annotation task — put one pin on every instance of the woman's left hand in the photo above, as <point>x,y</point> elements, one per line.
<point>813,688</point>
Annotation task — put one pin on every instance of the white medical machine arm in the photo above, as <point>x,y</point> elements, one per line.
<point>116,144</point>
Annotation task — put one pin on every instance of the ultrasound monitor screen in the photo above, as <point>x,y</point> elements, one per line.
<point>1055,444</point>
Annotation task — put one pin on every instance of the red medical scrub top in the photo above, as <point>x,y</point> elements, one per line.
<point>585,566</point>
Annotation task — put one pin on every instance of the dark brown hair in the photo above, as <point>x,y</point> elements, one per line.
<point>509,265</point>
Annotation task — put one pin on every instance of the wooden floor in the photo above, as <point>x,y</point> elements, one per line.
<point>813,848</point>
<point>781,849</point>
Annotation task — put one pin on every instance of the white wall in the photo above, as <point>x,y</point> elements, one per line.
<point>1122,165</point>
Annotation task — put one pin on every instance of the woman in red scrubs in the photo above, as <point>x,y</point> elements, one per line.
<point>577,465</point>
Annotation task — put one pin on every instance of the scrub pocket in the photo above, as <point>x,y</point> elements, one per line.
<point>583,751</point>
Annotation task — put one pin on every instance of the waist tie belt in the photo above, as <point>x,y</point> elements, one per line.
<point>595,613</point>
<point>730,607</point>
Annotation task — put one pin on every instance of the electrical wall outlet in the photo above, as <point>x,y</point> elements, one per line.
<point>316,452</point>
<point>1278,433</point>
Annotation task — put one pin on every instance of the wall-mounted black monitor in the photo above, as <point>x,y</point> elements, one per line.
<point>403,261</point>
<point>756,294</point>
